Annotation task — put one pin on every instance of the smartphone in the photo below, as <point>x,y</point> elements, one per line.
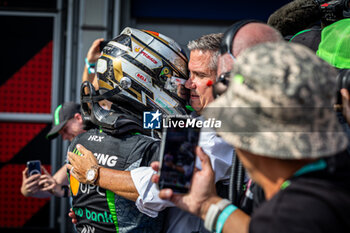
<point>177,155</point>
<point>34,167</point>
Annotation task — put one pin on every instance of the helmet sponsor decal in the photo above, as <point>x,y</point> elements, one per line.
<point>137,49</point>
<point>101,66</point>
<point>141,77</point>
<point>149,57</point>
<point>146,56</point>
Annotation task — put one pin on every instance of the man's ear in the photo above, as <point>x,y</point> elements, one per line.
<point>78,117</point>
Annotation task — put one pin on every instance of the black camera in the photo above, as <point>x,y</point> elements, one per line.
<point>332,11</point>
<point>343,81</point>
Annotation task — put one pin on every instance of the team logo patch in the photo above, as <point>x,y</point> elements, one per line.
<point>151,120</point>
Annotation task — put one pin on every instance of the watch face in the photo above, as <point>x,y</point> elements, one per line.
<point>90,175</point>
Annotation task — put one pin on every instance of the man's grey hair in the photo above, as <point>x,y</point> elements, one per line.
<point>211,43</point>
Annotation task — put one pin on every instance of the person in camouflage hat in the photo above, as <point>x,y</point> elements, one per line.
<point>296,156</point>
<point>280,104</point>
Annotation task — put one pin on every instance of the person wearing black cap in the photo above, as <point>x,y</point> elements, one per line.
<point>67,122</point>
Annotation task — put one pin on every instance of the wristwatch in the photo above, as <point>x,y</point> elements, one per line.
<point>92,174</point>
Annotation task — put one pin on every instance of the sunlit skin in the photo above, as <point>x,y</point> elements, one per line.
<point>72,128</point>
<point>200,73</point>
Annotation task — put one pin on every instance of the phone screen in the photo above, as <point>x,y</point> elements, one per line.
<point>177,157</point>
<point>34,167</point>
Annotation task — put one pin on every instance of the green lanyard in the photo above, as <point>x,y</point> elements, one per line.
<point>311,167</point>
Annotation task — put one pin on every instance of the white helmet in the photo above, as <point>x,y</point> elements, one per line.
<point>142,70</point>
<point>149,67</point>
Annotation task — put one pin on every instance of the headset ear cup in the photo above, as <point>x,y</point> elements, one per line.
<point>220,87</point>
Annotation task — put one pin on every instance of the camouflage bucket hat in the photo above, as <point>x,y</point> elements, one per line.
<point>280,104</point>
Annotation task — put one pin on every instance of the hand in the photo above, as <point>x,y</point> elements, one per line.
<point>72,215</point>
<point>81,163</point>
<point>48,183</point>
<point>94,51</point>
<point>30,185</point>
<point>202,192</point>
<point>155,167</point>
<point>346,104</point>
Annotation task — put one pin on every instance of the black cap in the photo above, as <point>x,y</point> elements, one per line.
<point>62,114</point>
<point>310,38</point>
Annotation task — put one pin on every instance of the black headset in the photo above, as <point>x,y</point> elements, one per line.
<point>226,46</point>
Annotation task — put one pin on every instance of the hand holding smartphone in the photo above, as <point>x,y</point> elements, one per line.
<point>34,167</point>
<point>177,156</point>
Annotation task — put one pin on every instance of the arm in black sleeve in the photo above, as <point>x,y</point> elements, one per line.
<point>151,154</point>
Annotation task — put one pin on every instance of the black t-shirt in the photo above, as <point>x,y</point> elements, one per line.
<point>313,202</point>
<point>99,210</point>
